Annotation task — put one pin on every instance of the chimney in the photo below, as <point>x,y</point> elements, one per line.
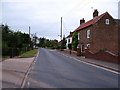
<point>95,13</point>
<point>71,33</point>
<point>82,21</point>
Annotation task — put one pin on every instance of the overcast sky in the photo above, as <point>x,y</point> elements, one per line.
<point>44,15</point>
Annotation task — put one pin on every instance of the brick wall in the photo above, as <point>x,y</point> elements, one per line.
<point>105,36</point>
<point>103,56</point>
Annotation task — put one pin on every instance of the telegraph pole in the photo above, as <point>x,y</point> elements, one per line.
<point>29,36</point>
<point>61,28</point>
<point>61,33</point>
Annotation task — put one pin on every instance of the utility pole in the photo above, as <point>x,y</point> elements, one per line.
<point>61,33</point>
<point>61,28</point>
<point>29,36</point>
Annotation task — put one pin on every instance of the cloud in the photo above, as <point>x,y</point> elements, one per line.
<point>44,15</point>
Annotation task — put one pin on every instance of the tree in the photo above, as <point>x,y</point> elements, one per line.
<point>75,40</point>
<point>42,42</point>
<point>13,40</point>
<point>70,46</point>
<point>63,43</point>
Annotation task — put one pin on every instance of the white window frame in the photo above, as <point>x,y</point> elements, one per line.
<point>88,33</point>
<point>107,21</point>
<point>88,45</point>
<point>82,47</point>
<point>78,36</point>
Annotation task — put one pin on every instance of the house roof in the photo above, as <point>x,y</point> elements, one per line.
<point>90,22</point>
<point>70,35</point>
<point>117,21</point>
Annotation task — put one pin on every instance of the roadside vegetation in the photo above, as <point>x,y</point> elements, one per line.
<point>15,43</point>
<point>28,54</point>
<point>74,41</point>
<point>52,44</point>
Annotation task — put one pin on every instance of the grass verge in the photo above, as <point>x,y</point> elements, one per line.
<point>28,54</point>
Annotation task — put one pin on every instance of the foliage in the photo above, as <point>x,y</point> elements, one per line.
<point>43,42</point>
<point>63,43</point>
<point>69,46</point>
<point>12,42</point>
<point>75,40</point>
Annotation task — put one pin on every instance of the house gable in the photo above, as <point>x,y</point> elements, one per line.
<point>104,18</point>
<point>105,36</point>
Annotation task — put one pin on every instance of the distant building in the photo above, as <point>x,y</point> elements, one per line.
<point>69,40</point>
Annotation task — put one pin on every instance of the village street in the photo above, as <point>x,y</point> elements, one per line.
<point>52,69</point>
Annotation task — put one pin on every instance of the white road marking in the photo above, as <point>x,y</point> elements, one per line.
<point>91,64</point>
<point>32,67</point>
<point>97,66</point>
<point>28,83</point>
<point>28,71</point>
<point>52,50</point>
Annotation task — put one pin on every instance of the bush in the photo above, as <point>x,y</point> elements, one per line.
<point>75,40</point>
<point>69,46</point>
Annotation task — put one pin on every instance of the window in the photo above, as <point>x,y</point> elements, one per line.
<point>78,36</point>
<point>107,21</point>
<point>88,46</point>
<point>88,33</point>
<point>82,48</point>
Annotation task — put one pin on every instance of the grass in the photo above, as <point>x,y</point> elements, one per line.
<point>28,54</point>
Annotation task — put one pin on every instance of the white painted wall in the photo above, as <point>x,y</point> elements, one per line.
<point>67,39</point>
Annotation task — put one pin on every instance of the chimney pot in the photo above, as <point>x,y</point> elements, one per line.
<point>82,21</point>
<point>95,13</point>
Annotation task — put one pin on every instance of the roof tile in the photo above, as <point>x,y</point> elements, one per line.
<point>90,22</point>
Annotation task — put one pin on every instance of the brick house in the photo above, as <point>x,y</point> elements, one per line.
<point>99,34</point>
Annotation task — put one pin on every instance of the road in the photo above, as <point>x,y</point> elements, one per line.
<point>55,70</point>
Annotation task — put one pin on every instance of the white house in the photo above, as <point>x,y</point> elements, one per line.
<point>69,40</point>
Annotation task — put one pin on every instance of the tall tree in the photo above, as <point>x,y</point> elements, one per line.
<point>75,40</point>
<point>63,43</point>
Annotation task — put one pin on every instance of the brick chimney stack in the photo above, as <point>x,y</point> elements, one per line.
<point>95,13</point>
<point>82,21</point>
<point>71,33</point>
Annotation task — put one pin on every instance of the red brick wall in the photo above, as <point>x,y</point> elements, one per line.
<point>83,37</point>
<point>105,36</point>
<point>103,56</point>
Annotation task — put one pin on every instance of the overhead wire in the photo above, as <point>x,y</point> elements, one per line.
<point>80,6</point>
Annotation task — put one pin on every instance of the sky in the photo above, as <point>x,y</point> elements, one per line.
<point>43,16</point>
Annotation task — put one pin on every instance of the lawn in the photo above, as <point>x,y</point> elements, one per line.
<point>30,53</point>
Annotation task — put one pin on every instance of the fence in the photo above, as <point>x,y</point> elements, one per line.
<point>13,51</point>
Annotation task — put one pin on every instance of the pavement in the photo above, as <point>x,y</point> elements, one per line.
<point>108,65</point>
<point>14,70</point>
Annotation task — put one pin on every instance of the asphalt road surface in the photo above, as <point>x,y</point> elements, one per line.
<point>55,70</point>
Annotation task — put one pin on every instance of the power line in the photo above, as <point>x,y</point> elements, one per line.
<point>65,27</point>
<point>83,5</point>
